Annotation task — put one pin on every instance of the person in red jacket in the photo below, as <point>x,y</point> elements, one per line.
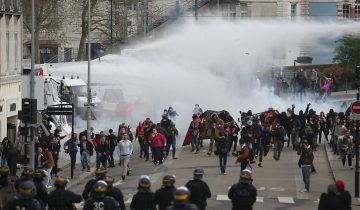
<point>157,142</point>
<point>140,131</point>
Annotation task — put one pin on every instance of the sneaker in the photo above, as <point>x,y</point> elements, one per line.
<point>208,153</point>
<point>351,167</point>
<point>83,169</point>
<point>304,191</point>
<point>197,152</point>
<point>223,173</point>
<point>123,177</point>
<point>253,161</point>
<point>128,173</point>
<point>259,164</point>
<point>49,186</point>
<point>174,158</point>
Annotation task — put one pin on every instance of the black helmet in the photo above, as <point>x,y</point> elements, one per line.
<point>181,195</point>
<point>100,173</point>
<point>26,190</point>
<point>109,180</point>
<point>60,182</point>
<point>144,182</point>
<point>246,176</point>
<point>39,175</point>
<point>27,173</point>
<point>100,188</point>
<point>198,173</point>
<point>4,170</point>
<point>169,180</point>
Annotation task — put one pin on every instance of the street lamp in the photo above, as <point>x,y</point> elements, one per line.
<point>89,78</point>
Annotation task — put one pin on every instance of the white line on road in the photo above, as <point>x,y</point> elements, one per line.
<point>118,183</point>
<point>260,199</point>
<point>277,189</point>
<point>261,189</point>
<point>222,198</point>
<point>128,200</point>
<point>226,198</point>
<point>286,200</point>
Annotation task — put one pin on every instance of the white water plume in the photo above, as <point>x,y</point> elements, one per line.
<point>209,63</point>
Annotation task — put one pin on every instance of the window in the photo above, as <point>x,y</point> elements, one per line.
<point>12,107</point>
<point>293,11</point>
<point>68,54</point>
<point>357,10</point>
<point>346,11</point>
<point>7,51</point>
<point>16,51</point>
<point>243,10</point>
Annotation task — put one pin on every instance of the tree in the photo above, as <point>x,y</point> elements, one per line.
<point>48,20</point>
<point>347,52</point>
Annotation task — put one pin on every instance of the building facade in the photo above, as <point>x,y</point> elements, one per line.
<point>10,65</point>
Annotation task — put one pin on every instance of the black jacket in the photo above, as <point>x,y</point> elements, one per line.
<point>186,206</point>
<point>117,195</point>
<point>242,196</point>
<point>109,203</point>
<point>143,200</point>
<point>24,204</point>
<point>164,196</point>
<point>200,191</point>
<point>88,188</point>
<point>89,147</point>
<point>327,201</point>
<point>61,199</point>
<point>343,200</point>
<point>41,193</point>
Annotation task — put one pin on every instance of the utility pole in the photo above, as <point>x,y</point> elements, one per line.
<point>111,25</point>
<point>196,10</point>
<point>89,73</point>
<point>31,144</point>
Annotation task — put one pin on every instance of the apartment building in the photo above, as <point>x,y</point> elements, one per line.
<point>10,65</point>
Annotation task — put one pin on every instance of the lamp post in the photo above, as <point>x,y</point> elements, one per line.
<point>89,74</point>
<point>111,24</point>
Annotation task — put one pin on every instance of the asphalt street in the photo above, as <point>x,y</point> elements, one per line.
<point>278,182</point>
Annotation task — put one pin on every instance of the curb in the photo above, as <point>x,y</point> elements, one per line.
<point>328,160</point>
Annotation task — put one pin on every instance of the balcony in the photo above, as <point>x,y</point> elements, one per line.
<point>11,6</point>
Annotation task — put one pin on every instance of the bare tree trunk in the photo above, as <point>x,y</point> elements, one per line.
<point>81,52</point>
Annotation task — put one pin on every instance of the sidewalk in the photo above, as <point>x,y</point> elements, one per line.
<point>344,173</point>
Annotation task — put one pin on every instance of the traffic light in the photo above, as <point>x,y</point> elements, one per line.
<point>357,71</point>
<point>28,114</point>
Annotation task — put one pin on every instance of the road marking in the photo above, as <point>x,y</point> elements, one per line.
<point>79,205</point>
<point>276,189</point>
<point>222,198</point>
<point>286,200</point>
<point>317,200</point>
<point>261,189</point>
<point>118,183</point>
<point>260,199</point>
<point>226,198</point>
<point>128,200</point>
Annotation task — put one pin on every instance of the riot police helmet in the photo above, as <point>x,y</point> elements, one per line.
<point>60,182</point>
<point>4,171</point>
<point>39,175</point>
<point>198,173</point>
<point>144,182</point>
<point>109,180</point>
<point>100,188</point>
<point>169,180</point>
<point>100,173</point>
<point>27,174</point>
<point>246,176</point>
<point>26,190</point>
<point>181,195</point>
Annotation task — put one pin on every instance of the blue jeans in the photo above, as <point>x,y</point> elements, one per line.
<point>171,143</point>
<point>3,162</point>
<point>85,160</point>
<point>306,170</point>
<point>195,141</point>
<point>223,160</point>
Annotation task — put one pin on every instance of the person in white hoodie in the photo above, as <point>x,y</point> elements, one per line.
<point>125,152</point>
